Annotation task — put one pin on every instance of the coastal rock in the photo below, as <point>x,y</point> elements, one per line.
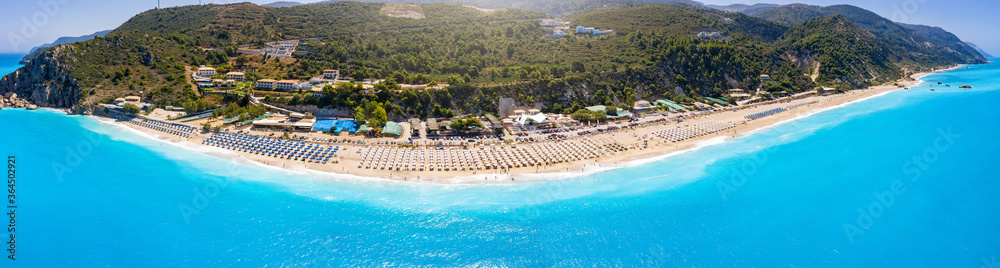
<point>11,100</point>
<point>89,110</point>
<point>42,82</point>
<point>965,86</point>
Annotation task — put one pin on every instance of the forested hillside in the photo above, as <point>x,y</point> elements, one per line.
<point>918,47</point>
<point>235,24</point>
<point>835,43</point>
<point>484,55</point>
<point>549,7</point>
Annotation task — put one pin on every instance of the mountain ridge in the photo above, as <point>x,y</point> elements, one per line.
<point>981,51</point>
<point>283,4</point>
<point>35,51</point>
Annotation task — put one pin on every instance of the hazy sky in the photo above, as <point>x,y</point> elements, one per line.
<point>26,24</point>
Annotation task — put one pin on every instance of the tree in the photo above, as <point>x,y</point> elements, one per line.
<point>611,110</point>
<point>466,124</point>
<point>131,108</point>
<point>624,106</point>
<point>359,116</point>
<point>578,66</point>
<point>389,84</point>
<point>455,80</point>
<point>432,84</point>
<point>582,115</point>
<point>245,101</point>
<point>224,69</point>
<point>473,122</point>
<point>599,115</point>
<point>681,80</point>
<point>193,106</point>
<point>371,113</point>
<point>458,124</point>
<point>242,60</point>
<point>438,111</point>
<point>206,127</point>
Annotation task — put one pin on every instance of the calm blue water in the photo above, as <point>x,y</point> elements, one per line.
<point>9,63</point>
<point>93,194</point>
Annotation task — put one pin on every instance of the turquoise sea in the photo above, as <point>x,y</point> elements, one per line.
<point>907,179</point>
<point>9,63</point>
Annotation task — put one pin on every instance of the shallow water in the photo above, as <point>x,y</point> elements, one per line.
<point>95,194</point>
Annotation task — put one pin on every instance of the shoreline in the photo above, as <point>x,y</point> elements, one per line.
<point>652,150</point>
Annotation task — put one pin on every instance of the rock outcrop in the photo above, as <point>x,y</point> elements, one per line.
<point>42,82</point>
<point>11,100</point>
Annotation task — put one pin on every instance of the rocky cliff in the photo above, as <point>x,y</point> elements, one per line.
<point>43,82</point>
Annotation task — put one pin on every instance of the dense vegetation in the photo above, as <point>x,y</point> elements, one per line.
<point>146,64</point>
<point>550,7</point>
<point>836,42</point>
<point>917,48</point>
<point>237,24</point>
<point>683,20</point>
<point>483,56</point>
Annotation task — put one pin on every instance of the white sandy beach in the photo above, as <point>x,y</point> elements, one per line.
<point>642,145</point>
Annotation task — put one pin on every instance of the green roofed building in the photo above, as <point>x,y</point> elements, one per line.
<point>596,108</point>
<point>672,104</point>
<point>392,129</point>
<point>363,129</point>
<point>620,114</point>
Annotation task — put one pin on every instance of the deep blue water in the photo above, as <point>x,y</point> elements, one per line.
<point>95,194</point>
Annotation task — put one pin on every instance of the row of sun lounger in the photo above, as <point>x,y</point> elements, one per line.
<point>169,128</point>
<point>765,113</point>
<point>281,149</point>
<point>693,131</point>
<point>477,158</point>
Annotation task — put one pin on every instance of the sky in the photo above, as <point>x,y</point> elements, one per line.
<point>29,23</point>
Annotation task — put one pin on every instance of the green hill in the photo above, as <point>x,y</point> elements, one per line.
<point>845,52</point>
<point>943,38</point>
<point>483,55</point>
<point>923,47</point>
<point>222,25</point>
<point>789,14</point>
<point>676,19</point>
<point>560,7</point>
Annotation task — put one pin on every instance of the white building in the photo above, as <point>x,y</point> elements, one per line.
<point>317,92</point>
<point>331,74</point>
<point>606,32</point>
<point>287,84</point>
<point>641,106</point>
<point>266,83</point>
<point>235,76</point>
<point>206,71</point>
<point>710,35</point>
<point>526,119</point>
